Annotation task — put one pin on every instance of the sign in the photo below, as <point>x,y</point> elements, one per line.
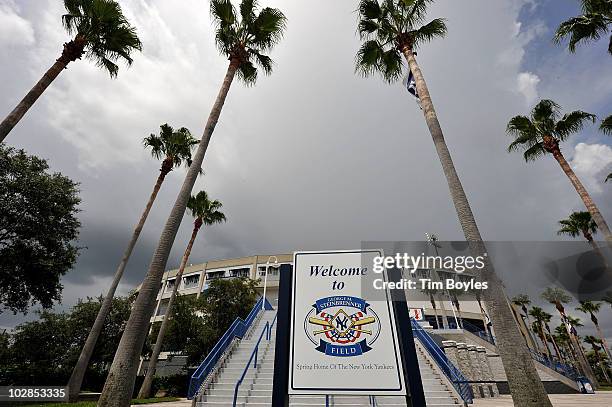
<point>417,314</point>
<point>341,342</point>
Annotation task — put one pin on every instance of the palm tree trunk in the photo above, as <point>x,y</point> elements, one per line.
<point>28,101</point>
<point>525,384</point>
<point>584,195</point>
<point>582,360</point>
<point>604,342</point>
<point>78,373</point>
<point>119,383</point>
<point>442,306</point>
<point>432,300</point>
<point>545,343</point>
<point>145,389</point>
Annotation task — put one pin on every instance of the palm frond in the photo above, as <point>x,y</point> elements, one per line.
<point>524,132</point>
<point>434,29</point>
<point>391,65</point>
<point>268,28</point>
<point>223,12</point>
<point>606,126</point>
<point>534,152</point>
<point>108,35</point>
<point>247,72</point>
<point>263,61</point>
<point>584,28</point>
<point>369,9</point>
<point>368,57</point>
<point>546,110</point>
<point>247,10</point>
<point>572,122</point>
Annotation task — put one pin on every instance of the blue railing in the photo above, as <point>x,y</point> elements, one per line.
<point>558,367</point>
<point>454,375</point>
<point>268,331</point>
<point>478,332</point>
<point>236,330</point>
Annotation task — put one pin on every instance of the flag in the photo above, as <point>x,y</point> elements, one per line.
<point>410,84</point>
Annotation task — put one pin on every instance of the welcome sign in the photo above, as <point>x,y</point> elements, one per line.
<point>341,342</point>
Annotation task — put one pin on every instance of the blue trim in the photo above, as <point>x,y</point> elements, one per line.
<point>454,375</point>
<point>236,330</point>
<point>558,367</point>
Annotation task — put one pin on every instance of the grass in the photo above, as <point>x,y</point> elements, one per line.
<point>93,403</point>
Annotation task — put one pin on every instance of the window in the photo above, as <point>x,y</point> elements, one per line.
<point>241,272</point>
<point>191,281</point>
<point>215,274</point>
<point>162,308</point>
<point>170,284</point>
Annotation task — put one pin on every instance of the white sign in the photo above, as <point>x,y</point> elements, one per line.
<point>341,343</point>
<point>417,314</point>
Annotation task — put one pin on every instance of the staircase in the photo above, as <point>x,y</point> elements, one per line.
<point>256,388</point>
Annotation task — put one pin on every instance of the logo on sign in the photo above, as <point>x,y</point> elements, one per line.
<point>342,326</point>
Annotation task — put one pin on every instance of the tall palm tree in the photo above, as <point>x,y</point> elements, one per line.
<point>541,133</point>
<point>579,223</point>
<point>205,212</point>
<point>558,297</point>
<point>582,223</point>
<point>563,339</point>
<point>594,22</point>
<point>395,28</point>
<point>523,301</point>
<point>242,36</point>
<point>592,308</point>
<point>595,344</point>
<point>101,33</point>
<point>540,315</point>
<point>173,147</point>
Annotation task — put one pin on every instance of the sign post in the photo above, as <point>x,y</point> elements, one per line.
<point>333,341</point>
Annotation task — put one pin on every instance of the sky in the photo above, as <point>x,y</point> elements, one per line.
<point>313,156</point>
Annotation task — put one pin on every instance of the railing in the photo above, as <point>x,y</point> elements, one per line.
<point>558,367</point>
<point>268,331</point>
<point>454,375</point>
<point>478,332</point>
<point>237,329</point>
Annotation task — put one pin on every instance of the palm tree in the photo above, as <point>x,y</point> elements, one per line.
<point>541,133</point>
<point>392,29</point>
<point>594,342</point>
<point>174,148</point>
<point>205,212</point>
<point>562,338</point>
<point>523,301</point>
<point>592,308</point>
<point>582,223</point>
<point>243,40</point>
<point>579,223</point>
<point>558,297</point>
<point>101,33</point>
<point>594,23</point>
<point>538,325</point>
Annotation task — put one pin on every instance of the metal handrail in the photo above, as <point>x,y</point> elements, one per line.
<point>268,331</point>
<point>454,375</point>
<point>558,367</point>
<point>468,326</point>
<point>237,329</point>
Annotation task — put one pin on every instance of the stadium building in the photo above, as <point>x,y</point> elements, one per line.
<point>449,326</point>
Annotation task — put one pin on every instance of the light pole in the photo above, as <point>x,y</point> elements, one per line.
<point>275,265</point>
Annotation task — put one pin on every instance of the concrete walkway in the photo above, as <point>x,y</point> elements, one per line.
<point>178,403</point>
<point>600,399</point>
